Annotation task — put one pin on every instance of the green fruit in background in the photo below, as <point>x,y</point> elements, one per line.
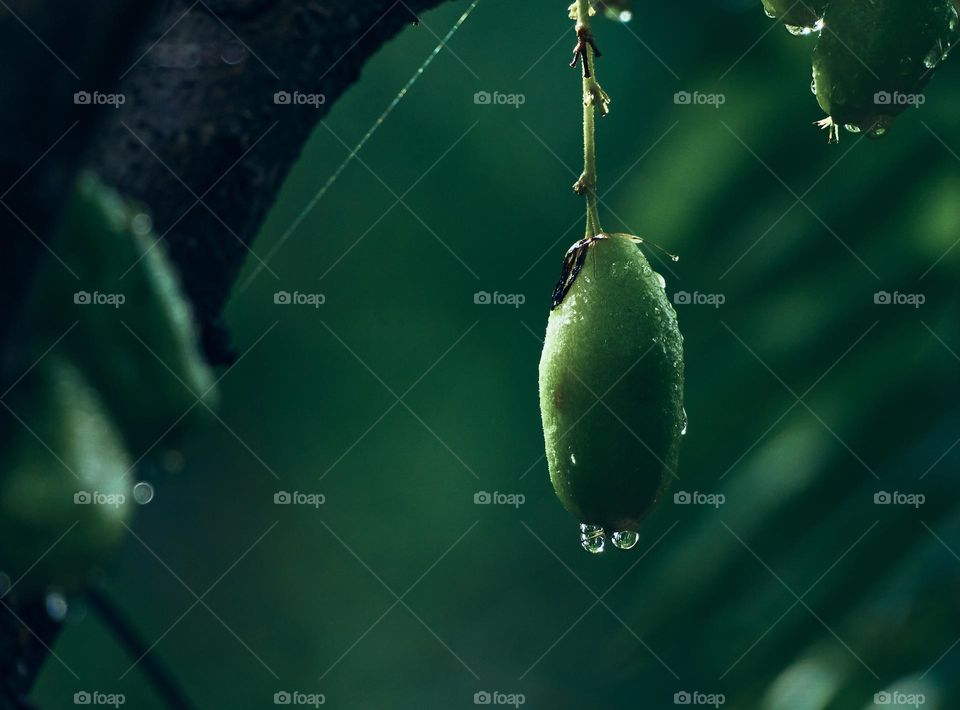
<point>874,58</point>
<point>800,16</point>
<point>611,388</point>
<point>63,466</point>
<point>134,336</point>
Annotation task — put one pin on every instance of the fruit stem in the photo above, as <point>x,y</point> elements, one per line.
<point>594,97</point>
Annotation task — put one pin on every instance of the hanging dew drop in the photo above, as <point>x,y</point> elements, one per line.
<point>625,540</point>
<point>592,538</point>
<point>852,128</point>
<point>797,30</point>
<point>769,13</point>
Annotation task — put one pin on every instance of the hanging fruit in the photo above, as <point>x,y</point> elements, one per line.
<point>611,372</point>
<point>611,387</point>
<point>874,58</point>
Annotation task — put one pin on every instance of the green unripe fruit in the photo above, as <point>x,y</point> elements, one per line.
<point>611,387</point>
<point>874,58</point>
<point>800,16</point>
<point>69,468</point>
<point>134,337</point>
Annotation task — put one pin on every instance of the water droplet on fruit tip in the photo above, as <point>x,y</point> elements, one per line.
<point>625,540</point>
<point>592,538</point>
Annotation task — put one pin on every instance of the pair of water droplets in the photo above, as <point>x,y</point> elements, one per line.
<point>593,539</point>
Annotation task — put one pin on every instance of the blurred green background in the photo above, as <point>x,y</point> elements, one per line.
<point>400,398</point>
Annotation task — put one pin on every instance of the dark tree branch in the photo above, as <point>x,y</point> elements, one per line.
<point>183,130</point>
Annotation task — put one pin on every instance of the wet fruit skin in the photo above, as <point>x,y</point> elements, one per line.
<point>867,48</point>
<point>615,337</point>
<point>804,13</point>
<point>38,485</point>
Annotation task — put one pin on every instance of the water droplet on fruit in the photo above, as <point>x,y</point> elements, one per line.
<point>797,30</point>
<point>683,424</point>
<point>877,132</point>
<point>592,538</point>
<point>573,459</point>
<point>624,540</point>
<point>769,13</point>
<point>143,493</point>
<point>852,128</point>
<point>660,280</point>
<point>56,605</point>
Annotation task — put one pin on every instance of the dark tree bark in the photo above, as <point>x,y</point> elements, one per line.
<point>199,141</point>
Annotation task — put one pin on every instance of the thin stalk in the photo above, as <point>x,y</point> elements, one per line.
<point>156,673</point>
<point>594,98</point>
